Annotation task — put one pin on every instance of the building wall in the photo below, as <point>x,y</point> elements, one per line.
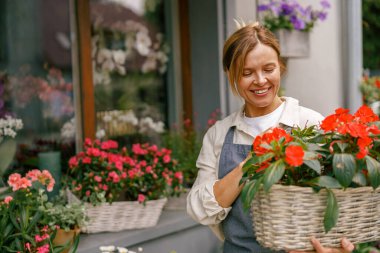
<point>317,80</point>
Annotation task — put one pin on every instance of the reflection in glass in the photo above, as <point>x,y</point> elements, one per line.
<point>130,58</point>
<point>36,77</point>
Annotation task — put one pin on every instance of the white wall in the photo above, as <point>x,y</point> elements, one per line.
<point>317,80</point>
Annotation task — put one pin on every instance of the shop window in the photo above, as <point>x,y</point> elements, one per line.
<point>36,80</point>
<point>130,58</point>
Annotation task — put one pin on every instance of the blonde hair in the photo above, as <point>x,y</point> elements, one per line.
<point>240,43</point>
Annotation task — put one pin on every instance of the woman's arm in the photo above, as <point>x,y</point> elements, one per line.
<point>228,189</point>
<point>201,203</point>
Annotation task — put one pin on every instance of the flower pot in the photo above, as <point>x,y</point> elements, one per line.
<point>64,237</point>
<point>287,216</point>
<point>293,43</point>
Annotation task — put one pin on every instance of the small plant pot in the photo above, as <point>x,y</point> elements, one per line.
<point>64,237</point>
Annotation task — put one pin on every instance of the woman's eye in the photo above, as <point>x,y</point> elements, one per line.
<point>247,73</point>
<point>268,70</point>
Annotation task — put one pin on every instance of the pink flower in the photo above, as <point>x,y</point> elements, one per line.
<point>8,199</point>
<point>109,145</point>
<point>141,198</point>
<point>149,169</point>
<point>179,176</point>
<point>114,177</point>
<point>136,149</point>
<point>166,158</point>
<point>93,152</point>
<point>86,160</point>
<point>33,175</point>
<point>73,162</point>
<point>105,187</point>
<point>98,179</point>
<point>88,193</point>
<point>27,246</point>
<point>13,179</point>
<point>43,249</point>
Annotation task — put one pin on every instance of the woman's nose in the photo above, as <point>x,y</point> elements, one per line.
<point>260,80</point>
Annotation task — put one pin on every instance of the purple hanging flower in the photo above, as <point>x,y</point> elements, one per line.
<point>325,4</point>
<point>298,24</point>
<point>289,14</point>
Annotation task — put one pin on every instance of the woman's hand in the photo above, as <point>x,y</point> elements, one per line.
<point>347,247</point>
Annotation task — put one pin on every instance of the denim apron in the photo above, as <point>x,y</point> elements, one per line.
<point>237,227</point>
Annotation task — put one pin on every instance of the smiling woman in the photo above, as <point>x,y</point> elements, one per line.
<point>252,62</point>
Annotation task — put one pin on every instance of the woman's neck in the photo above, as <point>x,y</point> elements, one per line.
<point>261,111</point>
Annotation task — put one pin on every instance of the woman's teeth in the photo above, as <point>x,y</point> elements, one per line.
<point>260,91</point>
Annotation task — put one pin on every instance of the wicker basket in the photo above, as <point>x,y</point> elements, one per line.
<point>287,216</point>
<point>121,215</point>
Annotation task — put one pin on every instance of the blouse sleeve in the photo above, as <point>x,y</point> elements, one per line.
<point>201,203</point>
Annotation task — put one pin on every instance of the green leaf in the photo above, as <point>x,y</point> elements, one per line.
<point>373,167</point>
<point>273,174</point>
<point>256,160</point>
<point>360,179</point>
<point>327,182</point>
<point>314,165</point>
<point>332,211</point>
<point>344,166</point>
<point>34,220</point>
<point>249,192</point>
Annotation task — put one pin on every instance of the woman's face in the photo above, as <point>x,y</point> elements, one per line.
<point>260,81</point>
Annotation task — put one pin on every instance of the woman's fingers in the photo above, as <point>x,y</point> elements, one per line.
<point>347,246</point>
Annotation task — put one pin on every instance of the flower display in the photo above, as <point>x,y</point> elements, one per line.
<point>290,15</point>
<point>98,173</point>
<point>341,152</point>
<point>22,223</point>
<point>137,47</point>
<point>53,91</point>
<point>103,171</point>
<point>152,173</point>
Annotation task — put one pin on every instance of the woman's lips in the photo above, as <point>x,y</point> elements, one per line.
<point>261,92</point>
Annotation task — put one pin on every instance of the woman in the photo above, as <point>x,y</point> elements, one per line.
<point>251,60</point>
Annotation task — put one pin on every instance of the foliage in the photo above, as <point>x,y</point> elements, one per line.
<point>343,153</point>
<point>65,215</point>
<point>369,247</point>
<point>22,222</point>
<point>290,15</point>
<point>152,173</point>
<point>371,29</point>
<point>370,89</point>
<point>98,174</point>
<point>186,142</point>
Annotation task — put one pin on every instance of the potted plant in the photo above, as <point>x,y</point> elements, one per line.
<point>102,172</point>
<point>22,221</point>
<point>319,182</point>
<point>67,218</point>
<point>292,23</point>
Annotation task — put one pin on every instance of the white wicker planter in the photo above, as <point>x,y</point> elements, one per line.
<point>120,215</point>
<point>287,216</point>
<point>123,215</point>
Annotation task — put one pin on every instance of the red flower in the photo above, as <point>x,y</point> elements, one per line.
<point>294,155</point>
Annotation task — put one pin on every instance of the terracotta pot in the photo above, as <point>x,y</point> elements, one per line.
<point>62,237</point>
